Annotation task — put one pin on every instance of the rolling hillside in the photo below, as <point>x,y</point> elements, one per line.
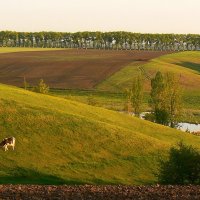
<point>63,141</point>
<point>183,64</point>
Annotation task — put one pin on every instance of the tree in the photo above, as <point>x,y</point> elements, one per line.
<point>182,167</point>
<point>166,98</point>
<point>173,98</point>
<point>41,87</point>
<point>128,95</point>
<point>157,99</point>
<point>137,95</point>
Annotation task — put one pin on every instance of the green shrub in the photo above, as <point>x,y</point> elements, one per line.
<point>182,167</point>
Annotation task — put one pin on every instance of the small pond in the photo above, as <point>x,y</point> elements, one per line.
<point>190,127</point>
<point>183,126</point>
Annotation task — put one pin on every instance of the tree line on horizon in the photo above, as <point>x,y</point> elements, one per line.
<point>101,40</point>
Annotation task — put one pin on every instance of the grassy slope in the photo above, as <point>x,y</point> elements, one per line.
<point>121,80</point>
<point>62,141</point>
<point>185,63</point>
<point>105,99</point>
<point>20,49</point>
<point>116,101</point>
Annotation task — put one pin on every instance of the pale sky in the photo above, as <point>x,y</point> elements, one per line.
<point>145,16</point>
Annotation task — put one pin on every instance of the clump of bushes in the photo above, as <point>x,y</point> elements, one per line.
<point>182,167</point>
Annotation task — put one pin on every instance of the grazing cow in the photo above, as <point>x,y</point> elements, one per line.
<point>8,142</point>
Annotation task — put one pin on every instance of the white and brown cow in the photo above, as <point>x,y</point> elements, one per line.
<point>8,142</point>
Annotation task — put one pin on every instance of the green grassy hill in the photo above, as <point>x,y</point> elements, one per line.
<point>63,141</point>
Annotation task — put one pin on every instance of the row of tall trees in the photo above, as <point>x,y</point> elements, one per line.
<point>101,40</point>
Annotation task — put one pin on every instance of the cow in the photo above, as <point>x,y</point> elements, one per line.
<point>8,142</point>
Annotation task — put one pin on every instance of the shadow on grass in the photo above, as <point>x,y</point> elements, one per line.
<point>190,65</point>
<point>29,176</point>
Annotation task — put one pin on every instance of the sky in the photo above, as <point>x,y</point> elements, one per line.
<point>145,16</point>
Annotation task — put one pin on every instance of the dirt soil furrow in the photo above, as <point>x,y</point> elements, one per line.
<point>89,192</point>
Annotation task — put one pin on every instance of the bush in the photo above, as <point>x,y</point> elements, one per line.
<point>150,117</point>
<point>162,116</point>
<point>182,167</point>
<point>41,87</point>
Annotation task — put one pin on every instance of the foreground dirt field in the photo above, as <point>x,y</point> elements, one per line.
<point>100,192</point>
<point>82,69</point>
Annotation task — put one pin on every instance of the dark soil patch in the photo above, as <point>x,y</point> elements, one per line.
<point>88,192</point>
<point>80,69</point>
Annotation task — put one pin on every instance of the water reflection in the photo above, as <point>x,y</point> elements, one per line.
<point>183,126</point>
<point>189,127</point>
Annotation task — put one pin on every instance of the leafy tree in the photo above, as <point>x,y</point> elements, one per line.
<point>41,87</point>
<point>173,98</point>
<point>137,95</point>
<point>166,98</point>
<point>182,167</point>
<point>157,99</point>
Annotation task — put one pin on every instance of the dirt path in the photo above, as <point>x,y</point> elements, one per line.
<point>88,192</point>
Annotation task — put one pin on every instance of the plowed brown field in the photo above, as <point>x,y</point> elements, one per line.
<point>82,69</point>
<point>89,192</point>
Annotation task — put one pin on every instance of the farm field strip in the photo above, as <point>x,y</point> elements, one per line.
<point>97,192</point>
<point>72,68</point>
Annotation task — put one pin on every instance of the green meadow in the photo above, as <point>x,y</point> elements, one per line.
<point>59,141</point>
